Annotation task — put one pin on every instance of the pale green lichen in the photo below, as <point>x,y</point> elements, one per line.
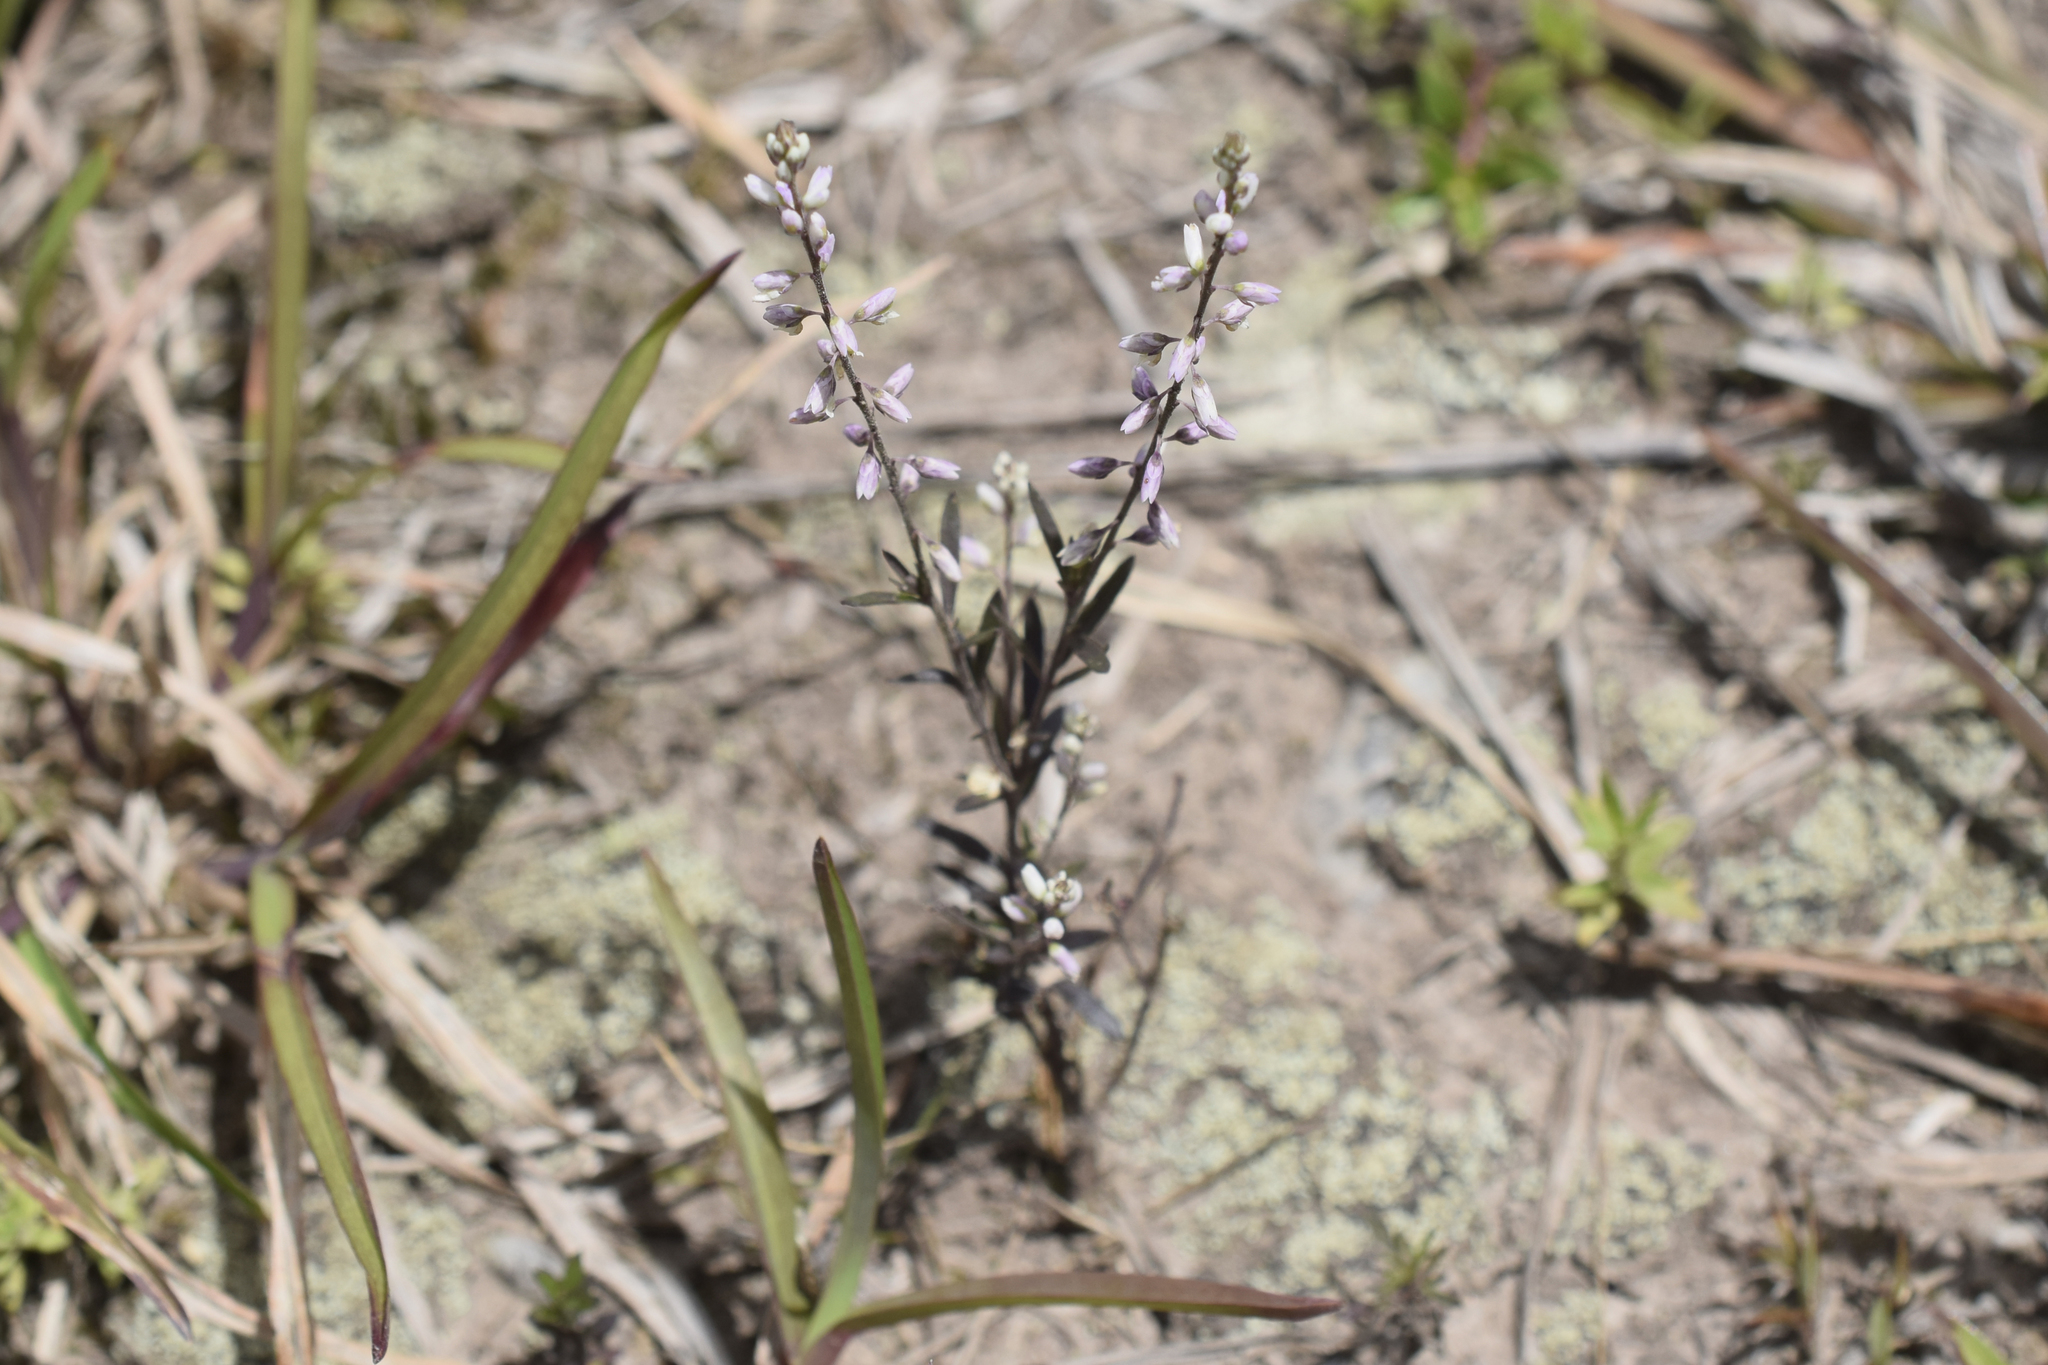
<point>1235,1114</point>
<point>562,964</point>
<point>1671,721</point>
<point>1868,843</point>
<point>422,1232</point>
<point>139,1334</point>
<point>1439,804</point>
<point>1650,1185</point>
<point>409,177</point>
<point>1568,1332</point>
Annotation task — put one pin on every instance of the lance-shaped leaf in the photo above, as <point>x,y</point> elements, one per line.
<point>290,255</point>
<point>870,1112</point>
<point>752,1122</point>
<point>46,266</point>
<point>1152,1293</point>
<point>574,569</point>
<point>129,1096</point>
<point>71,1203</point>
<point>281,989</point>
<point>529,566</point>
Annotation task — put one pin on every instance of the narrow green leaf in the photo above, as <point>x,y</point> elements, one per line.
<point>526,569</point>
<point>864,1056</point>
<point>290,256</point>
<point>1152,1293</point>
<point>1974,1349</point>
<point>878,599</point>
<point>1047,525</point>
<point>1090,651</point>
<point>1097,610</point>
<point>1877,1333</point>
<point>46,266</point>
<point>72,1203</point>
<point>746,1105</point>
<point>128,1096</point>
<point>287,1019</point>
<point>526,452</point>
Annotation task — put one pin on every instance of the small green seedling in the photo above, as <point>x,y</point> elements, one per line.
<point>816,1315</point>
<point>568,1300</point>
<point>1636,847</point>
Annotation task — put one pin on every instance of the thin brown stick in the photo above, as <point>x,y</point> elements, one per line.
<point>2004,695</point>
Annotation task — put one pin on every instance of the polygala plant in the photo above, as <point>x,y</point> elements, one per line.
<point>1008,669</point>
<point>1010,665</point>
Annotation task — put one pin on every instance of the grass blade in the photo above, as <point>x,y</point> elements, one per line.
<point>290,255</point>
<point>46,266</point>
<point>273,907</point>
<point>129,1096</point>
<point>526,452</point>
<point>527,568</point>
<point>1152,1293</point>
<point>72,1204</point>
<point>746,1103</point>
<point>870,1113</point>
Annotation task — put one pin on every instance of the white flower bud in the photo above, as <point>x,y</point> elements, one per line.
<point>1191,243</point>
<point>1033,879</point>
<point>1053,929</point>
<point>1219,223</point>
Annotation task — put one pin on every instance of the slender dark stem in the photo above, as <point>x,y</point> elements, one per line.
<point>949,629</point>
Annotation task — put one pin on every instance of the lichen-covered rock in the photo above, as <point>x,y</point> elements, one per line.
<point>409,182</point>
<point>561,960</point>
<point>1244,1112</point>
<point>1671,721</point>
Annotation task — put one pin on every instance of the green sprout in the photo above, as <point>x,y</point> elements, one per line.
<point>1636,846</point>
<point>1481,123</point>
<point>568,1298</point>
<point>26,1229</point>
<point>1974,1349</point>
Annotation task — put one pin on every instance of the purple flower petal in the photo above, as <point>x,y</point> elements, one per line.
<point>1204,400</point>
<point>1242,193</point>
<point>900,379</point>
<point>868,479</point>
<point>1188,435</point>
<point>1064,957</point>
<point>842,336</point>
<point>856,432</point>
<point>1183,356</point>
<point>1235,314</point>
<point>1147,344</point>
<point>786,316</point>
<point>1095,467</point>
<point>1142,386</point>
<point>773,285</point>
<point>1140,415</point>
<point>1162,526</point>
<point>1174,277</point>
<point>820,188</point>
<point>890,404</point>
<point>943,561</point>
<point>1236,242</point>
<point>1205,203</point>
<point>825,249</point>
<point>819,232</point>
<point>1155,474</point>
<point>761,190</point>
<point>974,552</point>
<point>1252,292</point>
<point>933,468</point>
<point>786,193</point>
<point>876,305</point>
<point>792,222</point>
<point>1220,429</point>
<point>1082,546</point>
<point>907,479</point>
